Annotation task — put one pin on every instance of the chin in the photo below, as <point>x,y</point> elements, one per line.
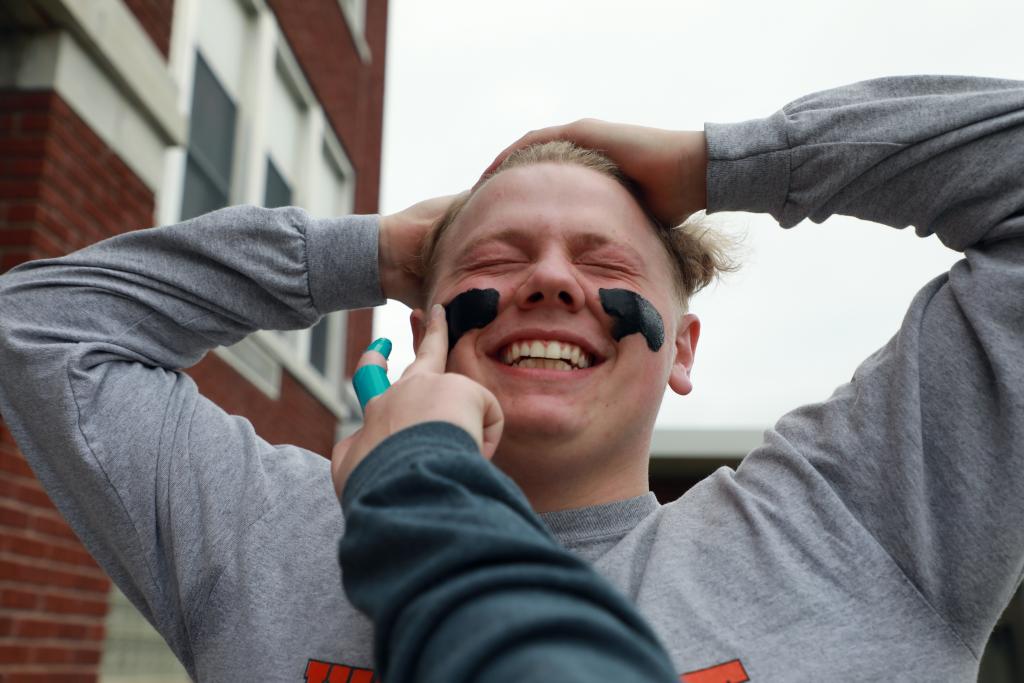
<point>538,423</point>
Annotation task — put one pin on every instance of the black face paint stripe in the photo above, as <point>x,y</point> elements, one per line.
<point>633,313</point>
<point>470,310</point>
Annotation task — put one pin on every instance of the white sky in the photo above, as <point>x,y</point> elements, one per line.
<point>465,78</point>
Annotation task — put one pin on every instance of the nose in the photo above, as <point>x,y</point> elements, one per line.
<point>552,281</point>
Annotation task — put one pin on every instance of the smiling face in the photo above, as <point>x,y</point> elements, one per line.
<point>548,236</point>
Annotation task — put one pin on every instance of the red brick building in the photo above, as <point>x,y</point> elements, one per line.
<point>122,114</point>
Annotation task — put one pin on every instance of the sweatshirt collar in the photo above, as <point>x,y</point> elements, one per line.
<point>608,519</point>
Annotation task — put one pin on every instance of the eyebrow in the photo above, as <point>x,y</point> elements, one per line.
<point>589,241</point>
<point>514,236</point>
<point>578,243</point>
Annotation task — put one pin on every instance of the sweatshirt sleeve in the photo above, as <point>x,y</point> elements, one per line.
<point>923,446</point>
<point>464,583</point>
<point>156,480</point>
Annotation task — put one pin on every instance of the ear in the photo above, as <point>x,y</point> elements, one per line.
<point>687,333</point>
<point>418,323</point>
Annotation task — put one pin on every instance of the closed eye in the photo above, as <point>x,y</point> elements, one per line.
<point>495,263</point>
<point>491,266</point>
<point>609,267</point>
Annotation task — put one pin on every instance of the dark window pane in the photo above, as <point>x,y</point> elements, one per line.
<point>212,127</point>
<point>1003,660</point>
<point>318,346</point>
<point>200,195</point>
<point>276,193</point>
<point>210,145</point>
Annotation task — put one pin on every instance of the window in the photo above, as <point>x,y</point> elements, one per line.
<point>318,346</point>
<point>286,122</point>
<point>134,651</point>
<point>210,145</point>
<point>331,192</point>
<point>292,130</point>
<point>277,192</point>
<point>258,135</point>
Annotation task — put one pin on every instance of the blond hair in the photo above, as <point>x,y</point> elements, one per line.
<point>696,253</point>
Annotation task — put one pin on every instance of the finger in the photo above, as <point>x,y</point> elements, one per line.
<point>372,357</point>
<point>432,356</point>
<point>548,134</point>
<point>503,154</point>
<point>370,379</point>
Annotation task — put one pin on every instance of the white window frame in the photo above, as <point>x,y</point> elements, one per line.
<point>355,18</point>
<point>262,356</point>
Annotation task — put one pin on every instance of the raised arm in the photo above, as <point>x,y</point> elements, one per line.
<point>923,446</point>
<point>940,153</point>
<point>157,481</point>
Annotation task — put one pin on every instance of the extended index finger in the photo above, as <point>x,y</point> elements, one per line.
<point>432,356</point>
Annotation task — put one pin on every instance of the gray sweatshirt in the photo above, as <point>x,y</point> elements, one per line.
<point>876,535</point>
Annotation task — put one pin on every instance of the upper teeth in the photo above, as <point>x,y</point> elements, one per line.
<point>519,353</point>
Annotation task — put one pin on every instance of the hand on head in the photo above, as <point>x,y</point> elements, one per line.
<point>425,393</point>
<point>401,244</point>
<point>668,166</point>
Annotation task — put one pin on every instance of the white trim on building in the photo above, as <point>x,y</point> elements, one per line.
<point>355,19</point>
<point>126,55</point>
<point>133,117</point>
<point>682,444</point>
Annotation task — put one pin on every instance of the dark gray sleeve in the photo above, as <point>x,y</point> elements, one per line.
<point>925,446</point>
<point>156,480</point>
<point>464,583</point>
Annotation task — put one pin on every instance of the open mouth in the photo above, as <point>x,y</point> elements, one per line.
<point>546,355</point>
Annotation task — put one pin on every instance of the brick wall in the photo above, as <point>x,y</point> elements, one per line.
<point>62,188</point>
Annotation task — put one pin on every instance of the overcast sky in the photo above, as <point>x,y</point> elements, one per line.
<point>465,78</point>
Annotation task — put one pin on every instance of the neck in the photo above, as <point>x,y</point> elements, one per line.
<point>565,476</point>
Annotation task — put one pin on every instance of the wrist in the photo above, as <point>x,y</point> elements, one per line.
<point>385,262</point>
<point>398,258</point>
<point>393,278</point>
<point>695,164</point>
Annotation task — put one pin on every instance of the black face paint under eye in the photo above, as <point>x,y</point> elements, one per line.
<point>633,313</point>
<point>470,310</point>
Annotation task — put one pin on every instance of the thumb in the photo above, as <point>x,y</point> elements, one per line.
<point>493,423</point>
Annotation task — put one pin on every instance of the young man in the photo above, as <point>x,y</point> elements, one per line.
<point>460,577</point>
<point>873,534</point>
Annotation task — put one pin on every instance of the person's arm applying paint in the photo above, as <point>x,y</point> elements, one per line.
<point>443,552</point>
